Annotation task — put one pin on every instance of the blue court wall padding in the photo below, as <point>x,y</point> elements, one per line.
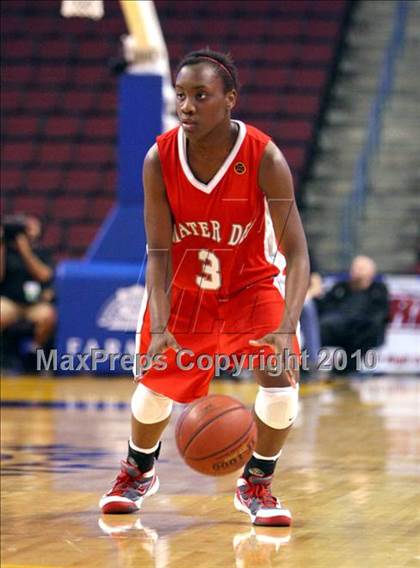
<point>98,307</point>
<point>139,122</point>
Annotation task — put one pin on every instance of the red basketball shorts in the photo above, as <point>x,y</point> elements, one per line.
<point>210,328</point>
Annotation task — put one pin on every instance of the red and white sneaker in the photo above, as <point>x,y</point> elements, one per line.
<point>253,496</point>
<point>130,488</point>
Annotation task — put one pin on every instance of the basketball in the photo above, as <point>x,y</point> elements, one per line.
<point>216,435</point>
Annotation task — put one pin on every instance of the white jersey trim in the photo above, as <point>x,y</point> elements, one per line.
<point>271,251</point>
<point>274,256</point>
<point>182,153</point>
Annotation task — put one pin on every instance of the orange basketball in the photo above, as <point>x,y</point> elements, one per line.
<point>216,435</point>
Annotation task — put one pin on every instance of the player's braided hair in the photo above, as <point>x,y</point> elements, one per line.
<point>222,63</point>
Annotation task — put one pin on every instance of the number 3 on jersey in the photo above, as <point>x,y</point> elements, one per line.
<point>210,277</point>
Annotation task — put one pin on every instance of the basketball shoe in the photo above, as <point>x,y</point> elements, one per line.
<point>130,488</point>
<point>253,496</point>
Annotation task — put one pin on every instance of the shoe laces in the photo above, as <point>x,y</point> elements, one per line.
<point>261,489</point>
<point>126,476</point>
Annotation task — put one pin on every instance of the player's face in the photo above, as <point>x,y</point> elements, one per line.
<point>201,102</point>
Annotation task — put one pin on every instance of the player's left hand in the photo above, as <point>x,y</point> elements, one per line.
<point>282,344</point>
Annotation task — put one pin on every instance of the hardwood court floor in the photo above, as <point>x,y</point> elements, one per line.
<point>349,473</point>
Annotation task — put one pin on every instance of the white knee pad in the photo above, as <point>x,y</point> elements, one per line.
<point>150,407</point>
<point>277,407</point>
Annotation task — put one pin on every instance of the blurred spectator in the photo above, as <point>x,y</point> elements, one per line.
<point>26,275</point>
<point>309,318</point>
<point>354,313</point>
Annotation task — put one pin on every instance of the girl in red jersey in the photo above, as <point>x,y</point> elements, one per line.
<point>219,208</point>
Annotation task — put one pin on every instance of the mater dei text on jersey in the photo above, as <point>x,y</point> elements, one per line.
<point>210,230</point>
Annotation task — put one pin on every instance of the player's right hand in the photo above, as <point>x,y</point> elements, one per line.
<point>161,342</point>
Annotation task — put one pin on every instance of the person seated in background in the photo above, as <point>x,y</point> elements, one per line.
<point>26,274</point>
<point>309,321</point>
<point>354,313</point>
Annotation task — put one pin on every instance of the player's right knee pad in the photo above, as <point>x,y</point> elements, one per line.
<point>277,407</point>
<point>149,407</point>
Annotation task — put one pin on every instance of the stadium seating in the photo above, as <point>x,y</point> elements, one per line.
<point>59,99</point>
<point>59,119</point>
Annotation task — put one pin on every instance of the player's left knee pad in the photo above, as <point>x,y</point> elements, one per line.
<point>149,407</point>
<point>277,407</point>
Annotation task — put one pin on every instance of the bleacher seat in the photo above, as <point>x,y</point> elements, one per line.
<point>55,49</point>
<point>52,236</point>
<point>37,205</point>
<point>17,73</point>
<point>18,152</point>
<point>41,26</point>
<point>290,29</point>
<point>62,127</point>
<point>309,79</point>
<point>55,153</point>
<point>87,75</point>
<point>320,54</point>
<point>11,180</point>
<point>75,208</point>
<point>83,181</point>
<point>45,181</point>
<point>44,101</point>
<point>18,48</point>
<point>10,101</point>
<point>21,126</point>
<point>320,29</point>
<point>301,105</point>
<point>100,127</point>
<point>79,101</point>
<point>98,154</point>
<point>94,50</point>
<point>295,155</point>
<point>54,75</point>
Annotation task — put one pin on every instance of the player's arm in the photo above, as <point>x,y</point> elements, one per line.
<point>276,182</point>
<point>158,224</point>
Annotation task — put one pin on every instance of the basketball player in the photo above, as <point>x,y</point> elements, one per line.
<point>219,208</point>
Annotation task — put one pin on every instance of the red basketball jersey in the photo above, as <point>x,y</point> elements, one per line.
<point>223,238</point>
